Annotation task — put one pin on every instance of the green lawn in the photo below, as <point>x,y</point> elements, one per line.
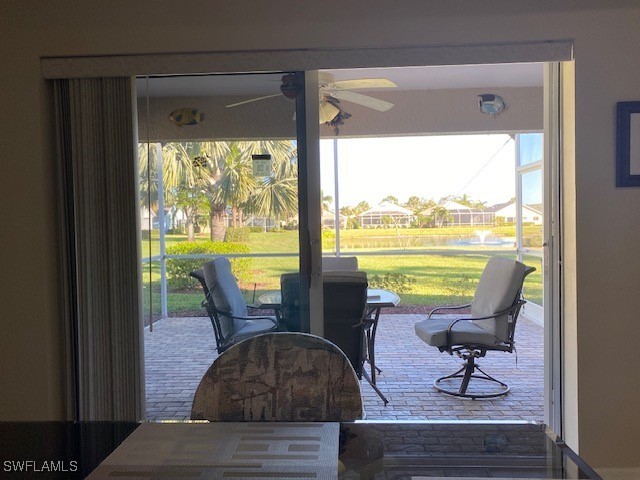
<point>446,275</point>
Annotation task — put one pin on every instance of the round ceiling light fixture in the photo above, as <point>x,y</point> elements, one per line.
<point>491,104</point>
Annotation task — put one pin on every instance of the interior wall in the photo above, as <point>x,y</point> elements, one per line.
<point>607,227</point>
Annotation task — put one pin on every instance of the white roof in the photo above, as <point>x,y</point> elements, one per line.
<point>388,208</point>
<point>451,206</point>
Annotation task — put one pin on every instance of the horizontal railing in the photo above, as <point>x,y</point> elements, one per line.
<point>360,253</point>
<point>347,253</point>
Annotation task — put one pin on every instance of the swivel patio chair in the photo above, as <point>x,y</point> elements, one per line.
<point>279,377</point>
<point>226,306</point>
<point>491,326</point>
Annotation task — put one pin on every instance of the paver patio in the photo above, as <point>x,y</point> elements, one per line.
<point>180,350</point>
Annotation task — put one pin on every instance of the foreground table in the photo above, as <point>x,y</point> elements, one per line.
<point>365,450</point>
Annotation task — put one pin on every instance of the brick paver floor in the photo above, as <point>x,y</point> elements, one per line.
<point>180,350</point>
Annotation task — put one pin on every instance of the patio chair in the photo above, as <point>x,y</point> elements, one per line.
<point>343,264</point>
<point>226,306</point>
<point>345,309</point>
<point>279,377</point>
<point>491,326</point>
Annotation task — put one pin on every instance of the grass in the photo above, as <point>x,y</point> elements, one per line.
<point>444,276</point>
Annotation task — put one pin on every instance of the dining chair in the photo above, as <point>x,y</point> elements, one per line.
<point>344,314</point>
<point>227,307</point>
<point>490,327</point>
<point>279,377</point>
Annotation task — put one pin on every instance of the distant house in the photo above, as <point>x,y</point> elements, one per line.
<point>266,223</point>
<point>172,218</point>
<point>386,214</point>
<point>459,215</point>
<point>329,219</point>
<point>506,212</point>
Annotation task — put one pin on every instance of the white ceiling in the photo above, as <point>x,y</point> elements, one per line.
<point>407,78</point>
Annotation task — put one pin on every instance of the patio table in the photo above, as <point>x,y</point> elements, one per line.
<point>377,299</point>
<point>107,450</point>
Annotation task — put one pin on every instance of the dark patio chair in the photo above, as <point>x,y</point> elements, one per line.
<point>490,327</point>
<point>279,377</point>
<point>345,309</point>
<point>226,306</point>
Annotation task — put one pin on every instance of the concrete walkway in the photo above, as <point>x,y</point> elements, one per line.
<point>180,350</point>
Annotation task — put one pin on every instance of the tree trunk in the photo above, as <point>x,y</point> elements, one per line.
<point>191,217</point>
<point>234,216</point>
<point>217,223</point>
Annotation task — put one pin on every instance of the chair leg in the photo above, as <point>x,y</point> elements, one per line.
<point>469,367</point>
<point>375,387</point>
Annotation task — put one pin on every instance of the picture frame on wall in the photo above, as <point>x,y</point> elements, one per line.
<point>628,144</point>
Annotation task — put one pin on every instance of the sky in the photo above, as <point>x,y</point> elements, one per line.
<point>482,166</point>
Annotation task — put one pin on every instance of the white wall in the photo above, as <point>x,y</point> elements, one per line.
<point>603,388</point>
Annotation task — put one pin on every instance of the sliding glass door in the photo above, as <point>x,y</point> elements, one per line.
<point>219,176</point>
<point>530,217</point>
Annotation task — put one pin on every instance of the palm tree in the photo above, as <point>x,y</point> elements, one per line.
<point>235,183</point>
<point>147,181</point>
<point>277,195</point>
<point>327,200</point>
<point>223,172</point>
<point>276,198</point>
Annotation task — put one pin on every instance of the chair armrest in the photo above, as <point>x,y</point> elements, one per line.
<point>228,314</point>
<point>516,305</point>
<point>455,307</point>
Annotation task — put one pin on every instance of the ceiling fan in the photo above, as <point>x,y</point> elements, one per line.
<point>332,92</point>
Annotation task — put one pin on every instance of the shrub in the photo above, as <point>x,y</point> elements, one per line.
<point>396,282</point>
<point>256,229</point>
<point>534,240</point>
<point>328,239</point>
<point>178,269</point>
<point>459,287</point>
<point>237,234</point>
<point>145,234</point>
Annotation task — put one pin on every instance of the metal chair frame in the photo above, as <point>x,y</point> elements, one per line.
<point>224,342</point>
<point>469,352</point>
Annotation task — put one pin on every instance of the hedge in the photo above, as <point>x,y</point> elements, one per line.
<point>237,234</point>
<point>178,270</point>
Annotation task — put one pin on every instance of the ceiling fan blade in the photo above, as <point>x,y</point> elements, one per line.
<point>364,100</point>
<point>253,100</point>
<point>361,83</point>
<point>327,112</point>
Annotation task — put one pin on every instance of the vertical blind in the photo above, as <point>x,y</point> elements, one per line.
<point>99,247</point>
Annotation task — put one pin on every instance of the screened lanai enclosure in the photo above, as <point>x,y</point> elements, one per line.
<point>419,181</point>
